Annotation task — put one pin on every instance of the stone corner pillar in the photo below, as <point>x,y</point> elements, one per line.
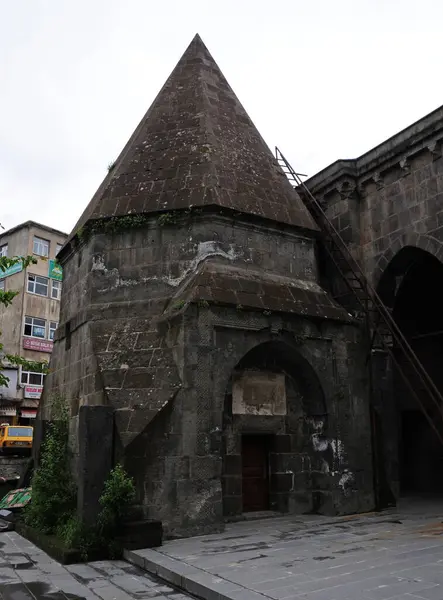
<point>95,458</point>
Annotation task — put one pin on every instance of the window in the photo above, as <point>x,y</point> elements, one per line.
<point>2,285</point>
<point>58,248</point>
<point>4,250</point>
<point>38,285</point>
<point>20,431</point>
<point>40,247</point>
<point>35,327</point>
<point>52,327</point>
<point>29,378</point>
<point>56,289</point>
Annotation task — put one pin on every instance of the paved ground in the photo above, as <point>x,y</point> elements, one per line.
<point>396,555</point>
<point>27,573</point>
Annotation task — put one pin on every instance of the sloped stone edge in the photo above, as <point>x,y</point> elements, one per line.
<point>188,578</point>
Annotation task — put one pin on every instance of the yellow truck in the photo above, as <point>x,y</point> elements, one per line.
<point>16,439</point>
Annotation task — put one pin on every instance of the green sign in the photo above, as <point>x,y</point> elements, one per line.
<point>12,270</point>
<point>55,271</point>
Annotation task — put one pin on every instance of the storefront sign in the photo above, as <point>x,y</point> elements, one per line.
<point>55,271</point>
<point>28,413</point>
<point>12,270</point>
<point>33,391</point>
<point>37,345</point>
<point>8,411</point>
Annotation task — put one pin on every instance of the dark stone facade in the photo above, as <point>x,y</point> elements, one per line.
<point>194,274</point>
<point>389,198</point>
<point>388,207</point>
<point>169,314</point>
<point>195,264</point>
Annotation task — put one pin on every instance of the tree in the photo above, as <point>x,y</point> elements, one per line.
<point>6,299</point>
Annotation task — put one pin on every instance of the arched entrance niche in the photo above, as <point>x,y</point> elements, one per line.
<point>275,426</point>
<point>412,286</point>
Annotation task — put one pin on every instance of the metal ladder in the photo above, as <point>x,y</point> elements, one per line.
<point>380,322</point>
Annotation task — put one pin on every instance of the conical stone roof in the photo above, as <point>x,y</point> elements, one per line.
<point>196,146</point>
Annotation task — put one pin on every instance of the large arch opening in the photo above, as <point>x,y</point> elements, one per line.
<point>412,287</point>
<point>274,409</point>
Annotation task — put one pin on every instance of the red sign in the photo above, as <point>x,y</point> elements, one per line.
<point>29,413</point>
<point>37,345</point>
<point>33,391</point>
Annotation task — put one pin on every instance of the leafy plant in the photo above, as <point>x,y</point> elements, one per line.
<point>117,495</point>
<point>131,221</point>
<point>111,225</point>
<point>52,509</point>
<point>53,489</point>
<point>178,305</point>
<point>167,218</point>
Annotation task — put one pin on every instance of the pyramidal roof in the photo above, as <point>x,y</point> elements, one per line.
<point>197,146</point>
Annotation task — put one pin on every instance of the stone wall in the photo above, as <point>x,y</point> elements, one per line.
<point>188,463</point>
<point>390,197</point>
<point>12,466</point>
<point>385,201</point>
<point>115,286</point>
<point>148,330</point>
<point>321,449</point>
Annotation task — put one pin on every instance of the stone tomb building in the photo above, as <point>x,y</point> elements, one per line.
<point>196,343</point>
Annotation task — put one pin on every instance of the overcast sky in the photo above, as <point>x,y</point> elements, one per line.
<point>321,79</point>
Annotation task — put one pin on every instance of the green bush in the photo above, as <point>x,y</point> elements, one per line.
<point>52,509</point>
<point>118,493</point>
<point>53,489</point>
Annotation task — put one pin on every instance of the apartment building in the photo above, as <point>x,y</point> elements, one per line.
<point>27,326</point>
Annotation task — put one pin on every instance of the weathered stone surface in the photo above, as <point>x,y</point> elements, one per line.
<point>390,555</point>
<point>247,288</point>
<point>390,197</point>
<point>95,439</point>
<point>388,207</point>
<point>196,146</point>
<point>12,467</point>
<point>157,318</point>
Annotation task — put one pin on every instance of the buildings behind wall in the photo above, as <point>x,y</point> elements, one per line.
<point>28,325</point>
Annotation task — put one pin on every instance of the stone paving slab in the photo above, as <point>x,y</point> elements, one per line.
<point>27,573</point>
<point>394,555</point>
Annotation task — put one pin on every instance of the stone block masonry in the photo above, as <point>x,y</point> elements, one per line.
<point>388,206</point>
<point>194,264</point>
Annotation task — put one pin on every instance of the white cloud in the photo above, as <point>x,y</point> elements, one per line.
<point>323,80</point>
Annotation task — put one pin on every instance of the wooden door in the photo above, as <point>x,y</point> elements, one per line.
<point>255,473</point>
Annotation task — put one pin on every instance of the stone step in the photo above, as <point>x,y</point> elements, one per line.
<point>190,579</point>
